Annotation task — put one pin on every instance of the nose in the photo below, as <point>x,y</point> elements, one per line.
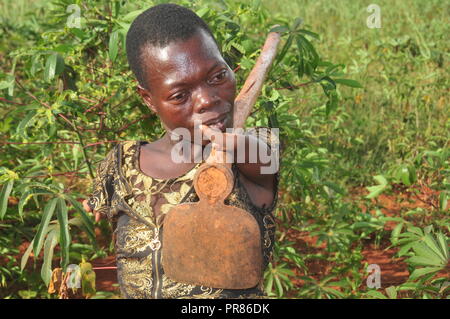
<point>206,98</point>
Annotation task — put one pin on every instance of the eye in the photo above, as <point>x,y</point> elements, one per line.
<point>178,97</point>
<point>219,77</point>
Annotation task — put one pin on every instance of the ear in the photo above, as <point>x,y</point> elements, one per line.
<point>145,94</point>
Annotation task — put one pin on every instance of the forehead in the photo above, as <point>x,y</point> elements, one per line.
<point>181,58</point>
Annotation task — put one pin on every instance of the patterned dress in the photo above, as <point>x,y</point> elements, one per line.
<point>130,199</point>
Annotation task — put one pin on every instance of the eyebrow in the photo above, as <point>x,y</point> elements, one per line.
<point>182,82</point>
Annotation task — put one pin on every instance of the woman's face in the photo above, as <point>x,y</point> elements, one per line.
<point>189,81</point>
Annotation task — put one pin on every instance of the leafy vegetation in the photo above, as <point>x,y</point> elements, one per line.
<point>363,115</point>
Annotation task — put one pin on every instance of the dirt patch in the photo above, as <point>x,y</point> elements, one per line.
<point>402,199</point>
<point>106,274</point>
<point>393,270</point>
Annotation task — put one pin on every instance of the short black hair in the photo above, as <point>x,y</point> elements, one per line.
<point>159,26</point>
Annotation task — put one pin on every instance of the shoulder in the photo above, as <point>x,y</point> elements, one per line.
<point>109,164</point>
<point>120,149</point>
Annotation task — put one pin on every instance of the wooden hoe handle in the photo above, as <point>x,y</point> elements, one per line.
<point>214,179</point>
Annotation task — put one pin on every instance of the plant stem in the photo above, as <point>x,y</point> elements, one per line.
<point>88,163</point>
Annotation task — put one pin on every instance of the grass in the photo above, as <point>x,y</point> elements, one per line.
<point>403,66</point>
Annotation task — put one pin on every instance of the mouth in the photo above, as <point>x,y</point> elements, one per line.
<point>219,122</point>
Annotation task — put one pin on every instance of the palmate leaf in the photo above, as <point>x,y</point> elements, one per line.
<point>416,230</point>
<point>421,249</point>
<point>433,245</point>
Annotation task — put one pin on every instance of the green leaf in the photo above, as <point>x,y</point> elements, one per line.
<point>416,230</point>
<point>442,240</point>
<point>26,196</point>
<point>49,245</point>
<point>374,191</point>
<point>26,121</point>
<point>63,48</point>
<point>409,286</point>
<point>404,249</point>
<point>303,42</point>
<point>391,292</point>
<point>202,12</point>
<point>64,238</point>
<point>402,175</point>
<point>26,255</point>
<point>432,244</point>
<point>4,195</point>
<point>279,286</point>
<point>269,284</point>
<point>311,34</point>
<point>284,50</point>
<point>113,45</point>
<point>375,294</point>
<point>42,230</point>
<point>36,64</point>
<point>419,272</point>
<point>421,249</point>
<point>87,220</point>
<point>334,292</point>
<point>423,261</point>
<point>297,22</point>
<point>87,279</point>
<point>133,14</point>
<point>395,232</point>
<point>7,84</point>
<point>335,187</point>
<point>78,33</point>
<point>279,29</point>
<point>53,66</point>
<point>27,294</point>
<point>348,82</point>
